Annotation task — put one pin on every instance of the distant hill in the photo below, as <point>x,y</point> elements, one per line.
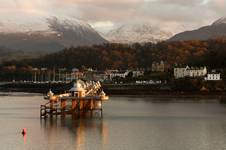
<point>8,55</point>
<point>217,29</point>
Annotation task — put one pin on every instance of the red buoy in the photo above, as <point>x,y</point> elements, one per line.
<point>24,131</point>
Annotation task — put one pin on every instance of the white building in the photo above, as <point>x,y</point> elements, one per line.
<point>213,77</point>
<point>121,74</point>
<point>137,73</point>
<point>190,72</point>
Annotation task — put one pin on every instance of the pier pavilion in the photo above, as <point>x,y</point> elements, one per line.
<point>82,99</point>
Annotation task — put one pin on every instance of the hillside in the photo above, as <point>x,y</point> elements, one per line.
<point>215,30</point>
<point>211,53</point>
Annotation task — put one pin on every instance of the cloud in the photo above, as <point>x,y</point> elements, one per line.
<point>2,24</point>
<point>106,14</point>
<point>217,6</point>
<point>102,3</point>
<point>182,2</point>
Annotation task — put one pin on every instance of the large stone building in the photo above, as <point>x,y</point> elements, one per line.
<point>158,66</point>
<point>189,72</point>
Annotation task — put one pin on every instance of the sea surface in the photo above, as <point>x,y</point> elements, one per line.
<point>129,123</point>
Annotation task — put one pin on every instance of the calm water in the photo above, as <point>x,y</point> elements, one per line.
<point>128,124</point>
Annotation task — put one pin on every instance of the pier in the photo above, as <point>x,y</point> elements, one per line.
<point>84,98</point>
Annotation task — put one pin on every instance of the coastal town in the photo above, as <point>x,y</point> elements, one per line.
<point>39,75</point>
<point>159,77</point>
<point>113,75</point>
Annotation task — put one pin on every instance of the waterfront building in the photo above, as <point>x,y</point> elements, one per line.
<point>124,74</point>
<point>158,66</point>
<point>213,77</point>
<point>121,74</point>
<point>189,72</point>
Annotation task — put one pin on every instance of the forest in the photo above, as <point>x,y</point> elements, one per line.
<point>211,53</point>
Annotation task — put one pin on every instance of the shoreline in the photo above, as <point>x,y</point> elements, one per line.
<point>112,90</point>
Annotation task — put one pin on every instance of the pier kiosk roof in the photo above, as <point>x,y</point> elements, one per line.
<point>77,87</point>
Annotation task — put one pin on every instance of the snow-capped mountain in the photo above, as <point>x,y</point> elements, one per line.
<point>215,30</point>
<point>140,32</point>
<point>220,21</point>
<point>75,32</point>
<point>55,35</point>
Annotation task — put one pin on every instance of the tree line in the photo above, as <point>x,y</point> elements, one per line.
<point>210,53</point>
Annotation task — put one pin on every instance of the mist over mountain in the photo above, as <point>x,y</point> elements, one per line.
<point>60,33</point>
<point>215,30</point>
<point>138,33</point>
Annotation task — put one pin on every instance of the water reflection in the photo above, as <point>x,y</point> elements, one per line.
<point>128,124</point>
<point>170,99</point>
<point>25,138</point>
<point>82,131</point>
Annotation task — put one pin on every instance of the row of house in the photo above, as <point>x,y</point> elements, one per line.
<point>65,75</point>
<point>182,72</point>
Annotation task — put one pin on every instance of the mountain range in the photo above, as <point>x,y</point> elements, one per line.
<point>63,32</point>
<point>215,30</point>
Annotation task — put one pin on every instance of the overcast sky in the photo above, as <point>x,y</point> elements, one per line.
<point>107,14</point>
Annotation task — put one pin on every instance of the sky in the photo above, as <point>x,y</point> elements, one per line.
<point>105,15</point>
